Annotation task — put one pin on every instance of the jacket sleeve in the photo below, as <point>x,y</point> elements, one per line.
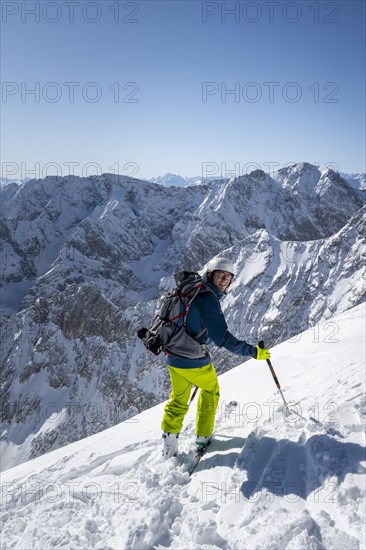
<point>218,331</point>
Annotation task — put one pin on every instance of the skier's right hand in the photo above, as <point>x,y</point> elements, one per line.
<point>262,352</point>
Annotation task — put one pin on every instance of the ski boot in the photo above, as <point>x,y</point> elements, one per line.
<point>202,443</point>
<point>170,444</point>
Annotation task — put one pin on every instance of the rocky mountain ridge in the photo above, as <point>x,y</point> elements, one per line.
<point>354,179</point>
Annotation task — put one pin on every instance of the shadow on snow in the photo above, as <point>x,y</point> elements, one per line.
<point>284,467</point>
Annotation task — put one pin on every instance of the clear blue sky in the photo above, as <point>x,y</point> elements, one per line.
<point>297,70</point>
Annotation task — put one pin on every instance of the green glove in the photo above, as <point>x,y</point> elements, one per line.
<point>262,353</point>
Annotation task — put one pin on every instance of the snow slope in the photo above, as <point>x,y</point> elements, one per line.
<point>266,481</point>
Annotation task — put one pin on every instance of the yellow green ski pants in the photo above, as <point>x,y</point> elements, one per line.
<point>182,381</point>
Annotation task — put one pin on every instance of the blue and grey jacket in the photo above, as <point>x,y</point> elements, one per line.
<point>206,318</point>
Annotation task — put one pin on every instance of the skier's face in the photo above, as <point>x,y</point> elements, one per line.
<point>222,279</point>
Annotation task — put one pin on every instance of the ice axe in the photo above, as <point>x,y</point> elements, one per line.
<point>193,395</point>
<point>286,409</point>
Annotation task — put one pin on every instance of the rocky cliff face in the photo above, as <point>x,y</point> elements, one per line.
<point>84,260</point>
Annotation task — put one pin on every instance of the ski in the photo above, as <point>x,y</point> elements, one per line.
<point>199,455</point>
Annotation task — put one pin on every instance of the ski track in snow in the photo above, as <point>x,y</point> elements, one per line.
<point>266,481</point>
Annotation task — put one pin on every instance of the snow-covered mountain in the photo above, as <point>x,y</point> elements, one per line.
<point>86,258</point>
<point>267,481</point>
<point>356,180</point>
<point>4,182</point>
<point>43,219</point>
<point>176,180</point>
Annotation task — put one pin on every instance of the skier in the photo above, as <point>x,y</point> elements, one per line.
<point>206,320</point>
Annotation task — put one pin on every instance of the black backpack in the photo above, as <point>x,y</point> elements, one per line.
<point>168,332</point>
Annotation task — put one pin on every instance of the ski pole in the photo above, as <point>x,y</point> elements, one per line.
<point>261,345</point>
<point>277,382</point>
<point>193,395</point>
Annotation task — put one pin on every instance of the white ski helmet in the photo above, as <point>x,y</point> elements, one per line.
<point>221,263</point>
